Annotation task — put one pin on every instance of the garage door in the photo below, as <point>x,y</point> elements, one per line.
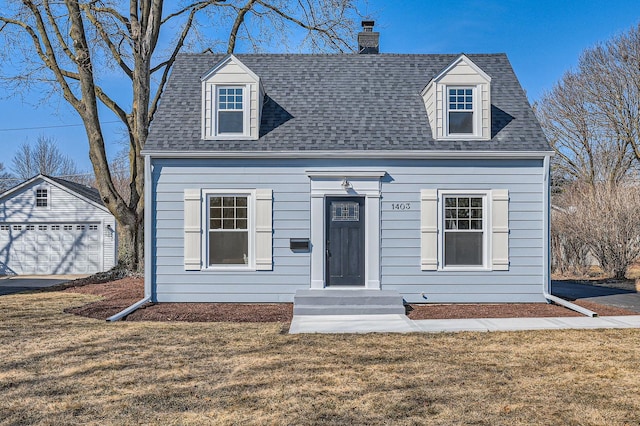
<point>50,248</point>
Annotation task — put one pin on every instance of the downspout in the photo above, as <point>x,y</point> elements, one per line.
<point>147,246</point>
<point>546,234</point>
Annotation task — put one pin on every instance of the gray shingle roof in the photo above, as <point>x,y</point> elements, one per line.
<point>86,191</point>
<point>343,102</point>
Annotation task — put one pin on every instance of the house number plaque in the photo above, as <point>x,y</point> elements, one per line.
<point>400,206</point>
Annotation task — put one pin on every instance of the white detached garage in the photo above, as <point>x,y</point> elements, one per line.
<point>53,226</point>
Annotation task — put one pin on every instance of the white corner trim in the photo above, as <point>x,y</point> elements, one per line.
<point>148,224</point>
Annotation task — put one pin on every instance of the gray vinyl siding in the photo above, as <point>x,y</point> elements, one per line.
<point>400,230</point>
<point>63,207</point>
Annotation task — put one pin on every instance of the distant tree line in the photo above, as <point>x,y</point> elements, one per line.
<point>592,119</point>
<point>43,157</point>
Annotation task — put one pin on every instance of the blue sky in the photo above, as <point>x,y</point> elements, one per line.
<point>543,39</point>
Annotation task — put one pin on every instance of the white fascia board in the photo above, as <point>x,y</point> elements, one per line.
<point>223,62</point>
<point>425,88</point>
<point>397,154</point>
<point>469,62</point>
<point>22,185</point>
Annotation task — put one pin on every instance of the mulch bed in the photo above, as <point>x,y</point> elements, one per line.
<point>118,295</point>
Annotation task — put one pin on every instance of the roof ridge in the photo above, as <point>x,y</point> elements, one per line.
<point>345,55</point>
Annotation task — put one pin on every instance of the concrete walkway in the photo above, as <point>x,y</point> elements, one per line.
<point>402,324</point>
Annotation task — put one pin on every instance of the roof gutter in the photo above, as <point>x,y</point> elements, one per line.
<point>338,154</point>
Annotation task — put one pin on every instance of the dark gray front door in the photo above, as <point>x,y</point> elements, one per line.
<point>345,241</point>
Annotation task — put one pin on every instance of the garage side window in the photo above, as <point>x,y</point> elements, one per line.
<point>42,198</point>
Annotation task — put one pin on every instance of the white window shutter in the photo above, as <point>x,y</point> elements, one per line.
<point>429,229</point>
<point>192,230</point>
<point>264,229</point>
<point>500,230</point>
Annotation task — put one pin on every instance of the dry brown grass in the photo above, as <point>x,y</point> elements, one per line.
<point>57,368</point>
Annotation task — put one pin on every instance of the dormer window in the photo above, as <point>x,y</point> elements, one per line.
<point>458,102</point>
<point>460,110</point>
<point>42,198</point>
<point>232,99</point>
<point>230,110</point>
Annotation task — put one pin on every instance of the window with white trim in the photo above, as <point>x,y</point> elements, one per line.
<point>42,197</point>
<point>230,111</point>
<point>460,111</point>
<point>464,230</point>
<point>228,230</point>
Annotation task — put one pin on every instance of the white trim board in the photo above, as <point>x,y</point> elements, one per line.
<point>330,184</point>
<point>399,154</point>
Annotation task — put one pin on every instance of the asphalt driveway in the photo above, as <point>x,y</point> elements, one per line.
<point>620,298</point>
<point>18,283</point>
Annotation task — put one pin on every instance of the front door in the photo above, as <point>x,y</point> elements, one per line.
<point>345,241</point>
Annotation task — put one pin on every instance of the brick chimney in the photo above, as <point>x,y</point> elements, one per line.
<point>368,40</point>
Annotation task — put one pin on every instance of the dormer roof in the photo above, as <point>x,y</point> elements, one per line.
<point>226,60</point>
<point>462,59</point>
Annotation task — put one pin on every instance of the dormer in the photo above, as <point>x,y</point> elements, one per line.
<point>458,102</point>
<point>231,101</point>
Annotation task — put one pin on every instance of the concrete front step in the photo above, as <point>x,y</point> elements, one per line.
<point>347,302</point>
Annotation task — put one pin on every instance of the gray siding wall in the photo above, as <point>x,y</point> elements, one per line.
<point>400,229</point>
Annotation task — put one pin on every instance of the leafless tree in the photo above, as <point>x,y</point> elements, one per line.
<point>587,150</point>
<point>592,116</point>
<point>614,67</point>
<point>601,220</point>
<point>6,179</point>
<point>592,120</point>
<point>44,158</point>
<point>74,44</point>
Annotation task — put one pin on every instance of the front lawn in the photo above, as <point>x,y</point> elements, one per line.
<point>57,368</point>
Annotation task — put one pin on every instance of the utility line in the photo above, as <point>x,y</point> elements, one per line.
<point>53,127</point>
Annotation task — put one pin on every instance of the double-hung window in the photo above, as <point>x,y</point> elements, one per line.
<point>464,230</point>
<point>230,110</point>
<point>42,198</point>
<point>228,240</point>
<point>460,110</point>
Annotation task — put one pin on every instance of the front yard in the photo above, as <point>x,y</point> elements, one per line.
<point>58,368</point>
